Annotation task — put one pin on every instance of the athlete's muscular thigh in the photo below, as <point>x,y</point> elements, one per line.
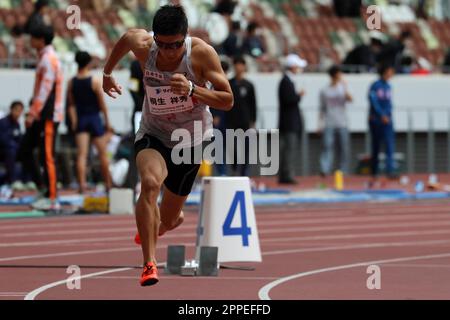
<point>152,168</point>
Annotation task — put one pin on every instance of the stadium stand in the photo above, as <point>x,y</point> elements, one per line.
<point>310,28</point>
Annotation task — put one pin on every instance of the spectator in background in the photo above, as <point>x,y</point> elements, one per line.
<point>43,119</point>
<point>225,7</point>
<point>347,8</point>
<point>364,57</point>
<point>232,46</point>
<point>39,16</point>
<point>381,121</point>
<point>243,114</point>
<point>85,98</point>
<point>10,137</point>
<point>421,66</point>
<point>220,124</point>
<point>392,52</point>
<point>333,122</point>
<point>446,63</point>
<point>252,44</point>
<point>290,118</point>
<point>137,91</point>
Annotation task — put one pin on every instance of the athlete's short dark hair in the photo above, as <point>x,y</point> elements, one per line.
<point>43,31</point>
<point>83,59</point>
<point>170,20</point>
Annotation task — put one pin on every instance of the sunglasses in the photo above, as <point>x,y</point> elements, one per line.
<point>169,46</point>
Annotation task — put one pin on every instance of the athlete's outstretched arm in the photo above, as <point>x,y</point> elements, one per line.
<point>136,40</point>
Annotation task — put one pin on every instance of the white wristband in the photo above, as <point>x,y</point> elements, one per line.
<point>107,75</point>
<point>191,88</point>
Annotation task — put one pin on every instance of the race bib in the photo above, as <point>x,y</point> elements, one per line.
<point>162,100</point>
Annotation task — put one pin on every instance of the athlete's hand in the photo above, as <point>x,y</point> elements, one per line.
<point>179,84</point>
<point>110,87</point>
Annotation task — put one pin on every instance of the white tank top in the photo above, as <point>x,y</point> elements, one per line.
<point>164,112</point>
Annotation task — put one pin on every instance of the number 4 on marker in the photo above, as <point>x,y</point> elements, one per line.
<point>244,230</point>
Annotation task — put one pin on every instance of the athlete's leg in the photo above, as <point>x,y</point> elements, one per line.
<point>171,211</point>
<point>82,141</point>
<point>100,144</point>
<point>153,171</point>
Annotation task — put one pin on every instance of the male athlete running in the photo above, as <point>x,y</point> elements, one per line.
<point>178,71</point>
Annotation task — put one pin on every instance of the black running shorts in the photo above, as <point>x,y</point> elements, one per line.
<point>181,177</point>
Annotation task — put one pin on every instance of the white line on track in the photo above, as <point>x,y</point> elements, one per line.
<point>190,226</point>
<point>359,246</point>
<point>362,235</point>
<point>67,224</point>
<point>363,226</point>
<point>406,265</point>
<point>263,293</point>
<point>33,294</point>
<point>277,239</point>
<point>187,278</point>
<point>67,232</point>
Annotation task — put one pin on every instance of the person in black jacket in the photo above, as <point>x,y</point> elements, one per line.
<point>10,137</point>
<point>243,114</point>
<point>137,92</point>
<point>38,17</point>
<point>290,118</point>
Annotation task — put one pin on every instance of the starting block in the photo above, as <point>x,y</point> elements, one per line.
<point>207,266</point>
<point>175,259</point>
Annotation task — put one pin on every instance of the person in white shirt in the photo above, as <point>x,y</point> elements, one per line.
<point>333,122</point>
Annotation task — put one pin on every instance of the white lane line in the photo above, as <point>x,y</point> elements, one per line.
<point>290,212</point>
<point>75,253</point>
<point>263,293</point>
<point>67,224</point>
<point>359,227</point>
<point>277,239</point>
<point>405,265</point>
<point>177,278</point>
<point>260,224</point>
<point>66,232</point>
<point>361,235</point>
<point>358,246</point>
<point>354,219</point>
<point>33,294</point>
<point>7,293</point>
<point>64,254</point>
<point>57,242</point>
<point>86,252</point>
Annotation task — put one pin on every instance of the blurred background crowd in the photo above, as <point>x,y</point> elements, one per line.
<point>415,34</point>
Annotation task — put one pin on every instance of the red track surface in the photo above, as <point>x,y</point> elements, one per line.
<point>319,246</point>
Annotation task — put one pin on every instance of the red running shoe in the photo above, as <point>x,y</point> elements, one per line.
<point>137,239</point>
<point>149,275</point>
